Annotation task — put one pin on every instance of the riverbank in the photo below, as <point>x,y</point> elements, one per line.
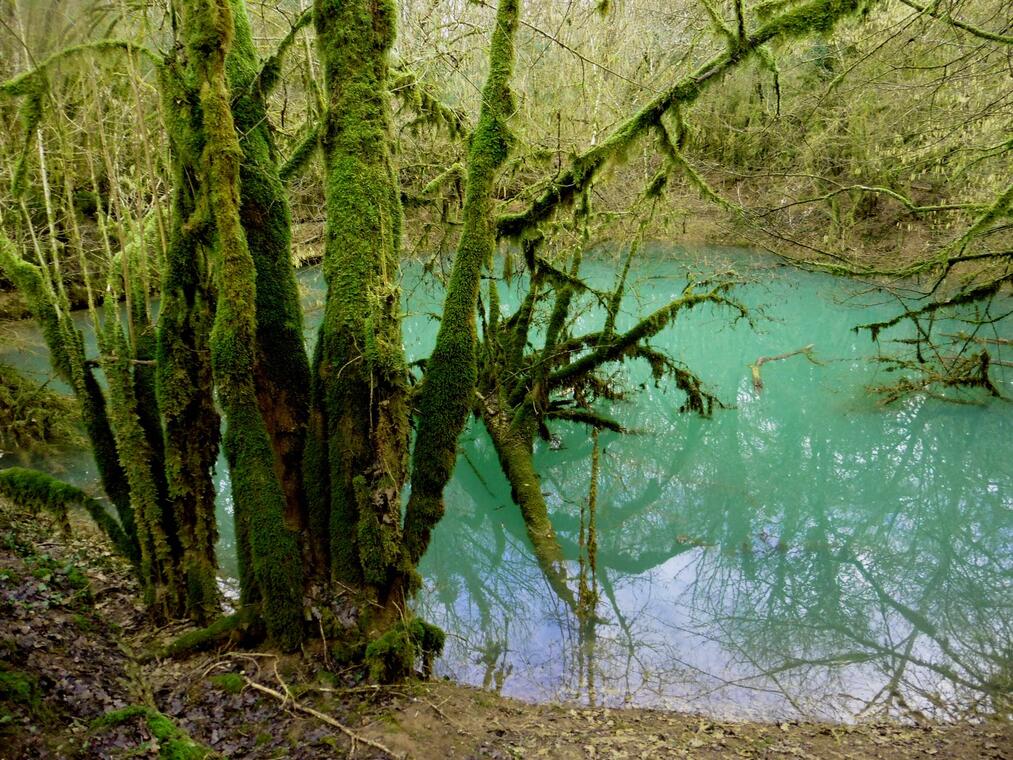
<point>72,638</point>
<point>695,223</point>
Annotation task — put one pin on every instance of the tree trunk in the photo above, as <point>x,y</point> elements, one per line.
<point>273,561</point>
<point>282,374</point>
<point>360,374</point>
<point>451,372</point>
<point>185,384</point>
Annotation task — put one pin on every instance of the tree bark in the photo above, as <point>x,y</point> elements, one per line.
<point>360,405</point>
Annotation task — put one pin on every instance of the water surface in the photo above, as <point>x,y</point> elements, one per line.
<point>803,552</point>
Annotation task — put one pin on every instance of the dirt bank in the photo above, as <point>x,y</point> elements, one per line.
<point>74,683</point>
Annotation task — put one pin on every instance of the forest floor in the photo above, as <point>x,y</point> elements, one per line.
<point>73,632</point>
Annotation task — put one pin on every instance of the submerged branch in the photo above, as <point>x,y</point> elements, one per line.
<point>755,366</point>
<point>587,417</point>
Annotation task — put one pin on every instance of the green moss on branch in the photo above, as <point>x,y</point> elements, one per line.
<point>812,17</point>
<point>32,488</point>
<point>301,155</point>
<point>451,371</point>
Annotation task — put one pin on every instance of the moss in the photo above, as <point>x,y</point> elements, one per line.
<point>300,156</point>
<point>184,385</point>
<point>159,552</point>
<point>348,652</point>
<point>378,543</point>
<point>451,372</point>
<point>32,89</point>
<point>426,102</point>
<point>230,683</point>
<point>25,83</point>
<point>32,488</point>
<point>76,578</point>
<point>271,558</point>
<point>66,350</point>
<point>270,70</point>
<point>360,373</point>
<point>142,372</point>
<point>240,626</point>
<point>934,11</point>
<point>815,17</point>
<point>19,688</point>
<point>173,742</point>
<point>83,622</point>
<point>282,367</point>
<point>392,656</point>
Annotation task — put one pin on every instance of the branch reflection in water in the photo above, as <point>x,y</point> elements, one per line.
<point>803,553</point>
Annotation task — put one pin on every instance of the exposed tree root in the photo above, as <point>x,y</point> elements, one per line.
<point>242,626</point>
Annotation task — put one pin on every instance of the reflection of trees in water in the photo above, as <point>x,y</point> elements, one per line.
<point>898,579</point>
<point>830,561</point>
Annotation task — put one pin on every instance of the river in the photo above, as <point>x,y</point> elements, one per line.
<point>806,552</point>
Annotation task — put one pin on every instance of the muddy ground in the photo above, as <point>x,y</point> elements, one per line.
<point>75,682</point>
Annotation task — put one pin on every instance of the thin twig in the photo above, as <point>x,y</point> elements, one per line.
<point>324,718</point>
<point>446,717</point>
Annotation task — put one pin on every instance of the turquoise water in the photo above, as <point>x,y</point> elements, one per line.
<point>803,552</point>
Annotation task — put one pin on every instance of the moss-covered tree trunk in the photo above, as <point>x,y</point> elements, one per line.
<point>185,384</point>
<point>271,572</point>
<point>451,372</point>
<point>282,368</point>
<point>360,409</point>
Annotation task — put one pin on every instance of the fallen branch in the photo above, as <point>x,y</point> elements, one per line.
<point>322,717</point>
<point>755,366</point>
